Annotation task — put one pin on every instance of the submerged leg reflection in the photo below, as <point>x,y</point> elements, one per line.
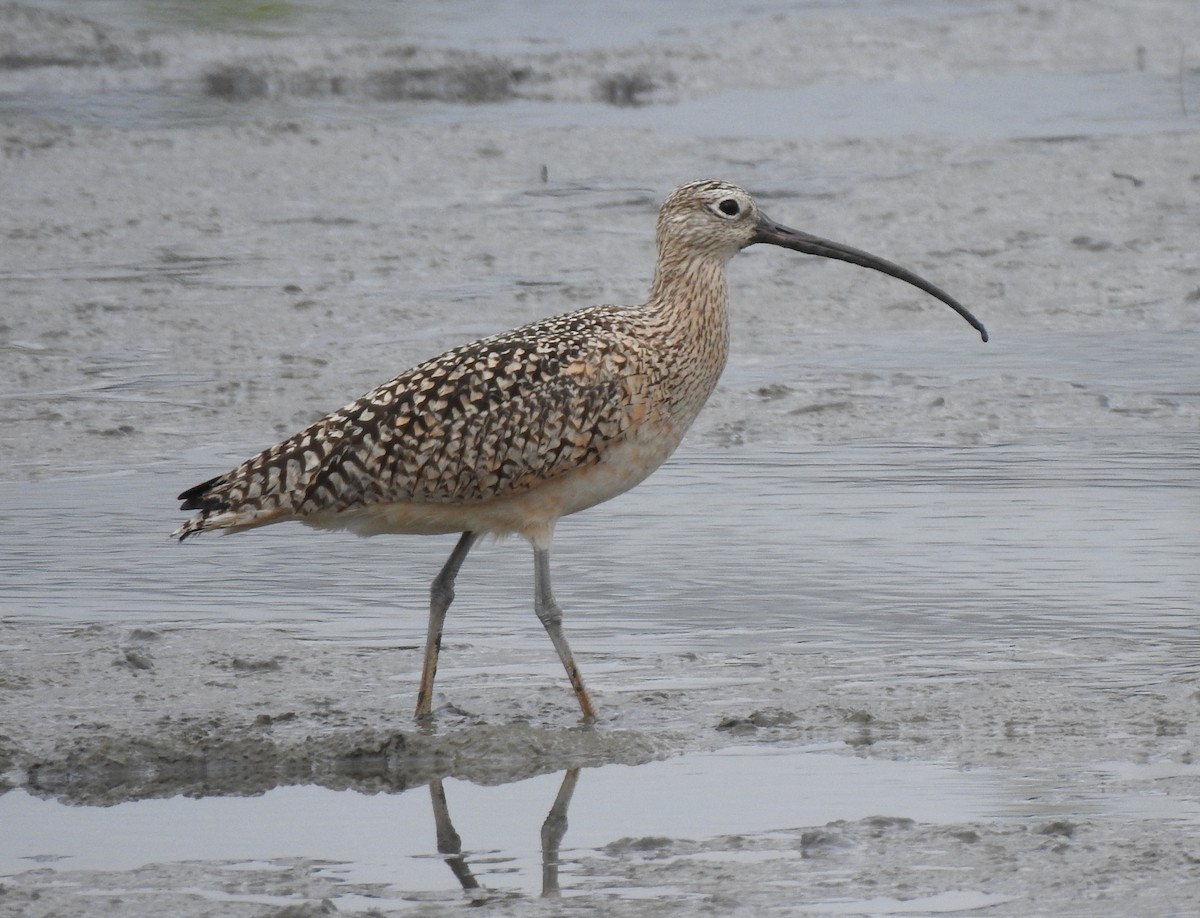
<point>553,830</point>
<point>449,843</point>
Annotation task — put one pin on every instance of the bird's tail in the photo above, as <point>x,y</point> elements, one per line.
<point>287,481</point>
<point>272,486</point>
<point>224,504</point>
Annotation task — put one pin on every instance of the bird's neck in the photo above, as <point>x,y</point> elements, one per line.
<point>689,303</point>
<point>691,294</point>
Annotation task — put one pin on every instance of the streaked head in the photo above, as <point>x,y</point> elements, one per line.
<point>719,219</point>
<point>709,217</point>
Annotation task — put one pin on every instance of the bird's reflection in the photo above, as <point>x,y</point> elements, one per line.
<point>449,843</point>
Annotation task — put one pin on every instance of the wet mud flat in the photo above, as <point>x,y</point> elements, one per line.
<point>1007,774</point>
<point>149,317</point>
<point>906,628</point>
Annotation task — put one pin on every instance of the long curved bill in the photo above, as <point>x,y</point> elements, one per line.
<point>769,231</point>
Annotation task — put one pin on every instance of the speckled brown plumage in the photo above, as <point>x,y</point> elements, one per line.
<point>498,417</point>
<point>492,418</point>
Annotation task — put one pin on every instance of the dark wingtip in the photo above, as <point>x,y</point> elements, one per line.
<point>983,334</point>
<point>196,498</point>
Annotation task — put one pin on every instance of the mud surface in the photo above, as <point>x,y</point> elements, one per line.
<point>908,626</point>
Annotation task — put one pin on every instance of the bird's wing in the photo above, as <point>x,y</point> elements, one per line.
<point>489,419</point>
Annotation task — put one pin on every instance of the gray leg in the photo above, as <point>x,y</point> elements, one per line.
<point>553,830</point>
<point>441,594</point>
<point>550,614</point>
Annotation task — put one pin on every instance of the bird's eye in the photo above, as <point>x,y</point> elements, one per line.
<point>729,207</point>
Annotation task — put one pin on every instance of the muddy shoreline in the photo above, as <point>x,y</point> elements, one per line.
<point>181,713</point>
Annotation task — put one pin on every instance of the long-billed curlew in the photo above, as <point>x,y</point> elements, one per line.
<point>509,433</point>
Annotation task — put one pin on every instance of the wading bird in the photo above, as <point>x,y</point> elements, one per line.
<point>510,433</point>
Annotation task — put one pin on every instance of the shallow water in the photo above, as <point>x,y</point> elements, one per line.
<point>1033,106</point>
<point>1064,530</point>
<point>386,842</point>
<point>854,544</point>
<point>392,836</point>
<point>1025,106</point>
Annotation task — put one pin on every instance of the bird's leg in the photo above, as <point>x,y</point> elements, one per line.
<point>550,615</point>
<point>441,594</point>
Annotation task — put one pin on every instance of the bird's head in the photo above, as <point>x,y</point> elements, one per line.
<point>714,219</point>
<point>708,217</point>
